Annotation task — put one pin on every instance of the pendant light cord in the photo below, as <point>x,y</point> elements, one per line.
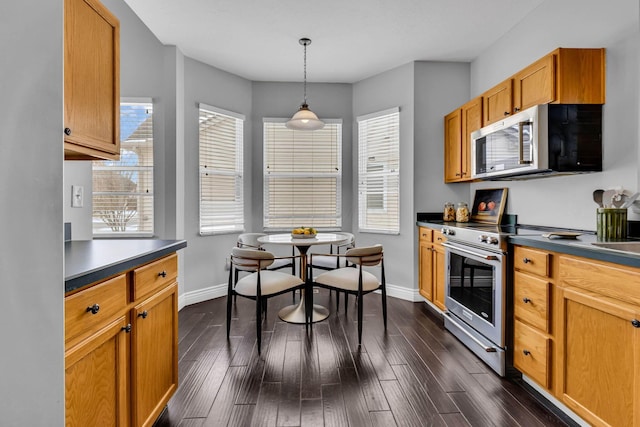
<point>305,72</point>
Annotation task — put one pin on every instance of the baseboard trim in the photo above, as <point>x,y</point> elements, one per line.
<point>217,291</point>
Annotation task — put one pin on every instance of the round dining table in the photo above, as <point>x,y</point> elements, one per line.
<point>295,313</point>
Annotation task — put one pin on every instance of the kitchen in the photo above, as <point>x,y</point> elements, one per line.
<point>425,91</point>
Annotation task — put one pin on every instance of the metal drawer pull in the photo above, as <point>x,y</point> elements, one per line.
<point>526,352</point>
<point>162,273</point>
<point>127,328</point>
<point>93,309</point>
<point>526,260</point>
<point>144,314</point>
<point>526,300</point>
<point>635,323</point>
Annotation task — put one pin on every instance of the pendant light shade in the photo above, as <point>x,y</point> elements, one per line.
<point>305,119</point>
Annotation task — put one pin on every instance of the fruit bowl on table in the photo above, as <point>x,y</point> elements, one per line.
<point>303,236</point>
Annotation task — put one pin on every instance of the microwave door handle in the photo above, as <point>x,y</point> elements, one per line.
<point>521,160</point>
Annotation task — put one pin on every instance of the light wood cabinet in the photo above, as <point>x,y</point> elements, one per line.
<point>121,347</point>
<point>535,84</point>
<point>431,267</point>
<point>91,81</point>
<point>498,102</point>
<point>599,378</point>
<point>457,148</point>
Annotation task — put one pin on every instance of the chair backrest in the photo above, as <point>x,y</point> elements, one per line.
<point>250,240</point>
<point>248,258</point>
<point>365,255</point>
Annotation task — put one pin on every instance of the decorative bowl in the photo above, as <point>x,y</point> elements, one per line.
<point>303,236</point>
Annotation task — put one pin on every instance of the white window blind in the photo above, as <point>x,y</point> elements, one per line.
<point>378,172</point>
<point>221,171</point>
<point>123,190</point>
<point>302,176</point>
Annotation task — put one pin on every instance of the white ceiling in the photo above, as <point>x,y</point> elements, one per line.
<point>351,39</point>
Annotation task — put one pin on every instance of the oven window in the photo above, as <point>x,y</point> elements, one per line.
<point>471,284</point>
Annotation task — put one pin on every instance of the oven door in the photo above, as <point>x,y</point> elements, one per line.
<point>475,291</point>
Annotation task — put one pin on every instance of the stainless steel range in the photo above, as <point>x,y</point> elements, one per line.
<point>476,288</point>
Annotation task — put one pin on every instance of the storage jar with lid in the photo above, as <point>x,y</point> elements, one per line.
<point>449,213</point>
<point>462,212</point>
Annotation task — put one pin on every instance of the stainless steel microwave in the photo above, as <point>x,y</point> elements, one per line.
<point>548,139</point>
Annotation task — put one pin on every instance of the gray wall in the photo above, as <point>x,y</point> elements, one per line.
<point>31,191</point>
<point>394,88</point>
<point>567,201</point>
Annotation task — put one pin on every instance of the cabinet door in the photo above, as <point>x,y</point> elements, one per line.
<point>535,84</point>
<point>471,121</point>
<point>154,354</point>
<point>453,146</point>
<point>426,270</point>
<point>497,102</point>
<point>91,81</point>
<point>601,367</point>
<point>438,276</point>
<point>96,379</point>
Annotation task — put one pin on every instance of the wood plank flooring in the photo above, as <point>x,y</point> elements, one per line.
<point>414,374</point>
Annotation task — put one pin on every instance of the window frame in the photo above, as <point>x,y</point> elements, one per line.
<point>338,176</point>
<point>389,175</point>
<point>137,168</point>
<point>234,226</point>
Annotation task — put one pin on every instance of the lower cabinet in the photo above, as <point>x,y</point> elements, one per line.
<point>431,267</point>
<point>121,354</point>
<point>154,354</point>
<point>96,378</point>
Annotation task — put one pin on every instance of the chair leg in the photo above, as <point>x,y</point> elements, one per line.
<point>384,306</point>
<point>308,306</point>
<point>359,316</point>
<point>229,314</point>
<point>235,280</point>
<point>337,300</point>
<point>346,301</point>
<point>259,322</point>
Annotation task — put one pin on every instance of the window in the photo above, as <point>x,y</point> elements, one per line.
<point>221,173</point>
<point>302,176</point>
<point>378,172</point>
<point>123,190</point>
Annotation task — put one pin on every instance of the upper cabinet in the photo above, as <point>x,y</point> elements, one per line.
<point>457,148</point>
<point>91,81</point>
<point>564,76</point>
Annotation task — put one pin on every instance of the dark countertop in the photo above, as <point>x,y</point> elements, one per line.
<point>580,246</point>
<point>88,261</point>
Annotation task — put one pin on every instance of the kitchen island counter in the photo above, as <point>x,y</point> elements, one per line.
<point>89,261</point>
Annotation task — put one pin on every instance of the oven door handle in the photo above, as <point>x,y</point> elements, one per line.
<point>474,339</point>
<point>468,252</point>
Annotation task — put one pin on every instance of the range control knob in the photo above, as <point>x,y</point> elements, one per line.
<point>443,230</point>
<point>493,240</point>
<point>483,238</point>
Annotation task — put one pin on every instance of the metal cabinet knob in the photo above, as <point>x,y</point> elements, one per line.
<point>162,273</point>
<point>506,113</point>
<point>93,309</point>
<point>67,131</point>
<point>526,300</point>
<point>144,314</point>
<point>127,328</point>
<point>635,323</point>
<point>526,260</point>
<point>516,109</point>
<point>526,352</point>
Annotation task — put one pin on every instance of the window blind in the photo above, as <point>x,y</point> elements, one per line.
<point>123,190</point>
<point>221,170</point>
<point>302,176</point>
<point>378,172</point>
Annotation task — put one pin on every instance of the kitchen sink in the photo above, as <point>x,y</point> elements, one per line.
<point>620,246</point>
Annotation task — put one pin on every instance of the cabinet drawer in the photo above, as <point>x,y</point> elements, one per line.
<point>531,260</point>
<point>87,309</point>
<point>425,234</point>
<point>438,237</point>
<point>531,353</point>
<point>154,276</point>
<point>531,300</point>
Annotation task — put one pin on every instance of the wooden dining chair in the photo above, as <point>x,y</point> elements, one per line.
<point>330,262</point>
<point>357,281</point>
<point>260,285</point>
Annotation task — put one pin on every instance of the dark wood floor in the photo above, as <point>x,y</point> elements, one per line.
<point>414,374</point>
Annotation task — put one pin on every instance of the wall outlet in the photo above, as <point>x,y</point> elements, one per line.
<point>77,196</point>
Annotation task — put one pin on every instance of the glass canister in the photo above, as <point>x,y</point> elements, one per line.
<point>462,212</point>
<point>449,213</point>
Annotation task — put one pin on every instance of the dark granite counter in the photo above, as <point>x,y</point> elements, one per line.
<point>88,261</point>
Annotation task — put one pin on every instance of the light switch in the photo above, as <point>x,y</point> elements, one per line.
<point>77,196</point>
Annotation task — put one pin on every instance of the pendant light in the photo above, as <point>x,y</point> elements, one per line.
<point>305,119</point>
